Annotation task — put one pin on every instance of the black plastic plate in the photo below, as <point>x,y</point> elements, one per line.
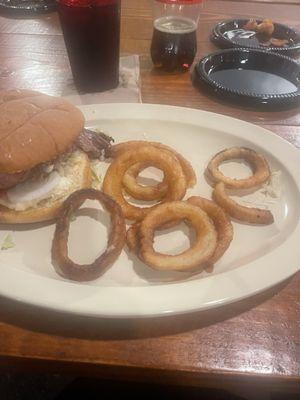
<point>230,34</point>
<point>26,7</point>
<point>250,78</point>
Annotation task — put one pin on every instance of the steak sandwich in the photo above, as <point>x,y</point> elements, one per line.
<point>44,155</point>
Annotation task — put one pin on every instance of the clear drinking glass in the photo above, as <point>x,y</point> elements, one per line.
<point>174,41</point>
<point>91,31</point>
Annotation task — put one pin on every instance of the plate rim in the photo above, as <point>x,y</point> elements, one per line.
<point>90,300</point>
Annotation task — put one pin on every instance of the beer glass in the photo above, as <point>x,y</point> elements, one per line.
<point>174,41</point>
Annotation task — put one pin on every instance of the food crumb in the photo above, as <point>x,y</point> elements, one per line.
<point>8,242</point>
<point>96,174</point>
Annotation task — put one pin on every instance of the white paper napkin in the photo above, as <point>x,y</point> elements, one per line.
<point>128,91</point>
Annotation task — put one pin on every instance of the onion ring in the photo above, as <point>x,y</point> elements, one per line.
<point>258,164</point>
<point>222,224</point>
<point>154,192</point>
<point>239,212</point>
<point>132,238</point>
<point>196,255</point>
<point>140,192</point>
<point>132,234</point>
<point>116,240</point>
<point>168,163</point>
<point>218,216</point>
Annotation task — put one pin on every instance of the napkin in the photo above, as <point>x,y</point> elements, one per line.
<point>128,91</point>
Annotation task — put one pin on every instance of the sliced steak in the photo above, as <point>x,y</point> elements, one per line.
<point>9,180</point>
<point>95,144</point>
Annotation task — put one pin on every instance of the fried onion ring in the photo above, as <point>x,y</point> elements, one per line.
<point>132,234</point>
<point>116,240</point>
<point>239,212</point>
<point>218,216</point>
<point>222,224</point>
<point>140,192</point>
<point>196,255</point>
<point>258,164</point>
<point>163,160</point>
<point>154,192</point>
<point>132,238</point>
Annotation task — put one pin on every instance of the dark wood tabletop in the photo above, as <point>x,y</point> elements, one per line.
<point>251,344</point>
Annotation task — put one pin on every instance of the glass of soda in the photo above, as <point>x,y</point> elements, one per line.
<point>91,30</point>
<point>174,41</point>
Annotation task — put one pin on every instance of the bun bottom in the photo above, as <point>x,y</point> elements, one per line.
<point>78,171</point>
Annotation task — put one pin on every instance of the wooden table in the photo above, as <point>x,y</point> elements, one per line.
<point>254,343</point>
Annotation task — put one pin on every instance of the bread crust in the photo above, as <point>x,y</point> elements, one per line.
<point>35,128</point>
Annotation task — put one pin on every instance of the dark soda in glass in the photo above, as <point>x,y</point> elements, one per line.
<point>91,30</point>
<point>174,43</point>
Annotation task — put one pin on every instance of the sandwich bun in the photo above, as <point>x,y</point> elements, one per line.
<point>35,128</point>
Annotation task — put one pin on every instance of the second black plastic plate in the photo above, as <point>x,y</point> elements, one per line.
<point>250,78</point>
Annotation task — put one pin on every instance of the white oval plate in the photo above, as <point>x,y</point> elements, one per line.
<point>259,257</point>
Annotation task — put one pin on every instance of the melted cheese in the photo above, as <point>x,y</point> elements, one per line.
<point>33,189</point>
<point>61,180</point>
<point>29,193</point>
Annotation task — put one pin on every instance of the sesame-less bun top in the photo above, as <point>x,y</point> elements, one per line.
<point>35,128</point>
